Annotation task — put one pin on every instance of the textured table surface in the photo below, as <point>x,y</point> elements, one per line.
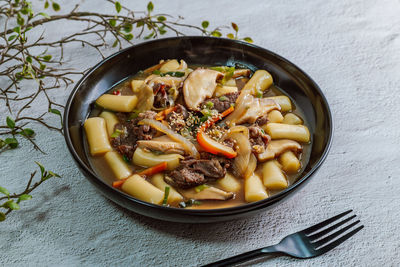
<point>350,48</point>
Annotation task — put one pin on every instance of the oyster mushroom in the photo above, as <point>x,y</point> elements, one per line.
<point>249,108</point>
<point>199,85</point>
<point>163,144</point>
<point>209,193</point>
<point>278,147</point>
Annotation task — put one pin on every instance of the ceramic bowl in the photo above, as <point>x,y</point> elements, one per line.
<point>196,50</point>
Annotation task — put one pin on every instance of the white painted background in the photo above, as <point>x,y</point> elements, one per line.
<point>350,48</point>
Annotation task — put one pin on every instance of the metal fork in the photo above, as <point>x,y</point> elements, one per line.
<point>308,243</point>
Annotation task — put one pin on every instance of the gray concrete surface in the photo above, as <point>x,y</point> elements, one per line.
<point>350,48</point>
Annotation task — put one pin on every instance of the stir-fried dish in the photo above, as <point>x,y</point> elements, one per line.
<point>198,136</point>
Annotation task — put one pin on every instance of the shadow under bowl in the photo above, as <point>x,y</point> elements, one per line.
<point>204,51</point>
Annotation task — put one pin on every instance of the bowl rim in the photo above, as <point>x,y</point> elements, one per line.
<point>204,212</point>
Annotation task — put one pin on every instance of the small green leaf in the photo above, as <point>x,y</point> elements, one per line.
<point>12,37</point>
<point>52,174</point>
<point>2,143</point>
<point>2,216</point>
<point>24,197</point>
<point>28,132</point>
<point>42,66</point>
<point>205,24</point>
<point>20,20</point>
<point>46,5</point>
<point>149,36</point>
<point>11,205</point>
<point>28,28</point>
<point>216,34</point>
<point>56,7</point>
<point>115,43</point>
<point>127,27</point>
<point>162,31</point>
<point>150,6</point>
<point>112,22</point>
<point>55,111</point>
<point>29,59</point>
<point>118,6</point>
<point>10,123</point>
<point>44,15</point>
<point>235,26</point>
<point>230,36</point>
<point>128,36</point>
<point>42,169</point>
<point>248,39</point>
<point>12,142</point>
<point>139,23</point>
<point>4,191</point>
<point>161,18</point>
<point>47,57</point>
<point>17,29</point>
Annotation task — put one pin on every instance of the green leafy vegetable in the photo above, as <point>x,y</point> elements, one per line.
<point>205,24</point>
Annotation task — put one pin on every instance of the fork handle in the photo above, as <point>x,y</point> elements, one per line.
<point>244,257</point>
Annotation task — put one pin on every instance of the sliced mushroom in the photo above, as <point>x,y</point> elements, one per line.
<point>278,147</point>
<point>209,193</point>
<point>199,85</point>
<point>163,144</point>
<point>249,108</point>
<point>173,65</point>
<point>241,73</point>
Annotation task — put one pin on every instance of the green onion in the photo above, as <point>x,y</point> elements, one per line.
<point>223,98</point>
<point>173,74</point>
<point>166,194</point>
<point>133,115</point>
<point>209,105</point>
<point>259,94</point>
<point>201,187</point>
<point>126,159</point>
<point>189,203</point>
<point>228,75</point>
<point>116,133</point>
<point>156,72</point>
<point>223,68</point>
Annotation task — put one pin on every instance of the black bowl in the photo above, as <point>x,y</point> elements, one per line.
<point>196,50</point>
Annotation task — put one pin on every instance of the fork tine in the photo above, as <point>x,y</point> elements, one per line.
<point>332,236</point>
<point>339,241</point>
<point>316,227</point>
<point>328,230</point>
